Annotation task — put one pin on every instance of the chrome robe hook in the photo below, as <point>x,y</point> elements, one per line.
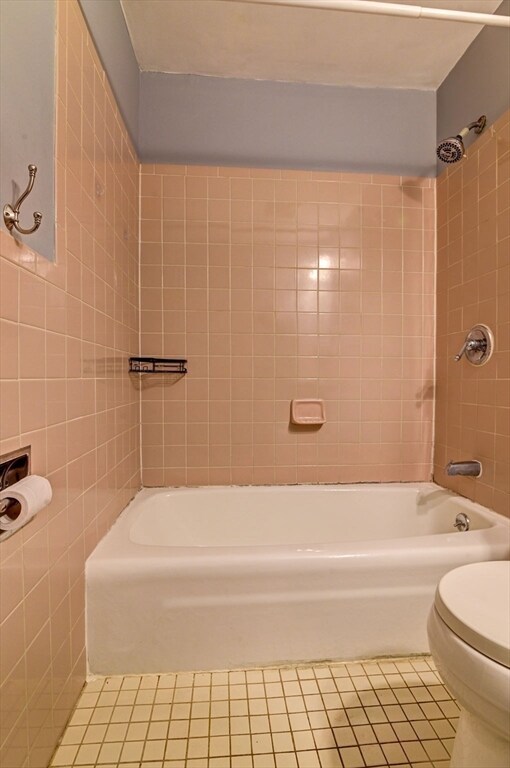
<point>11,215</point>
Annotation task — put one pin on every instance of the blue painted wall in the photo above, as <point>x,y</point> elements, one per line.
<point>211,120</point>
<point>107,26</point>
<point>27,113</point>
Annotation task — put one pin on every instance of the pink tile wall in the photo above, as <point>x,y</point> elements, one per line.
<point>473,404</point>
<point>66,330</point>
<point>277,285</point>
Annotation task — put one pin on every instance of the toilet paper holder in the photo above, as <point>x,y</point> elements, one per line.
<point>14,466</point>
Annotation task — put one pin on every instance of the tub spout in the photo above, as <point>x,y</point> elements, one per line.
<point>469,468</point>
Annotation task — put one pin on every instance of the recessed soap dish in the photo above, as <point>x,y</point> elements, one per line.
<point>308,411</point>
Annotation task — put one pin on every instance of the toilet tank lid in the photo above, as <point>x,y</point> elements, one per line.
<point>474,601</point>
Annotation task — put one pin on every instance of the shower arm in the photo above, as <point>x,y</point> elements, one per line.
<point>391,9</point>
<point>477,126</point>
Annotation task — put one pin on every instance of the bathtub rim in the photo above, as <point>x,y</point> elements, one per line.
<point>117,545</point>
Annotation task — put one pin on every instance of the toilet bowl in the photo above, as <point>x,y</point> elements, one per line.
<point>469,636</point>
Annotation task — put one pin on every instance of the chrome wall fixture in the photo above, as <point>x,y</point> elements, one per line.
<point>451,150</point>
<point>11,214</point>
<point>468,468</point>
<point>478,345</point>
<point>14,467</point>
<point>462,522</point>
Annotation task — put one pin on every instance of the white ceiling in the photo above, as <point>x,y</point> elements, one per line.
<point>261,42</point>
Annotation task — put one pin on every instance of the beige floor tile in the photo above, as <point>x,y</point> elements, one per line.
<point>308,759</point>
<point>367,714</point>
<point>276,706</point>
<point>286,760</point>
<point>394,753</point>
<point>329,758</point>
<point>273,690</point>
<point>238,708</point>
<point>264,761</point>
<point>352,757</point>
<point>405,731</point>
<point>318,720</point>
<point>258,706</point>
<point>435,750</point>
<point>332,700</point>
<point>414,751</point>
<point>219,693</point>
<point>303,740</point>
<point>131,751</point>
<point>288,674</point>
<point>243,761</point>
<point>259,724</point>
<point>198,747</point>
<point>176,749</point>
<point>199,728</point>
<point>81,716</point>
<point>279,723</point>
<point>99,684</point>
<point>74,734</point>
<point>368,698</point>
<point>292,688</point>
<point>443,729</point>
<point>324,738</point>
<point>87,753</point>
<point>157,730</point>
<point>100,716</point>
<point>240,745</point>
<point>364,734</point>
<point>261,743</point>
<point>239,725</point>
<point>358,716</point>
<point>372,754</point>
<point>206,709</point>
<point>110,752</point>
<point>219,746</point>
<point>282,742</point>
<point>64,756</point>
<point>344,736</point>
<point>95,734</point>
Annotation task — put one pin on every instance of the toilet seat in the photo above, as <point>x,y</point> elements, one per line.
<point>473,601</point>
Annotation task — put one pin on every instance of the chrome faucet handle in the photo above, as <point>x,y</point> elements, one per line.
<point>462,522</point>
<point>478,345</point>
<point>469,344</point>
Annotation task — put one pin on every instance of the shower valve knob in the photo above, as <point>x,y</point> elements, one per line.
<point>471,345</point>
<point>478,345</point>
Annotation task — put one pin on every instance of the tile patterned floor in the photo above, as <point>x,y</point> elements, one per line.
<point>345,715</point>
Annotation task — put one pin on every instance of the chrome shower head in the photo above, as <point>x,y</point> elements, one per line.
<point>452,150</point>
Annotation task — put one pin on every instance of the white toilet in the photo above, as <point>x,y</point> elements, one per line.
<point>469,636</point>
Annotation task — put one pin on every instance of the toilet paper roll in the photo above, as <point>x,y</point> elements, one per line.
<point>33,493</point>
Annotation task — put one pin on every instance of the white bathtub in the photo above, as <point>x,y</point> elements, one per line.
<point>219,578</point>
